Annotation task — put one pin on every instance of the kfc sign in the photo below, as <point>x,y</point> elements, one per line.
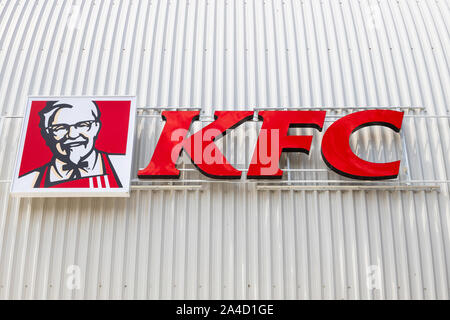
<point>76,146</point>
<point>82,146</point>
<point>273,139</point>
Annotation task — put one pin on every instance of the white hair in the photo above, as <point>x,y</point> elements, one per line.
<point>86,106</point>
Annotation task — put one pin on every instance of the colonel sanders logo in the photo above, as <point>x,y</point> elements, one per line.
<point>70,128</point>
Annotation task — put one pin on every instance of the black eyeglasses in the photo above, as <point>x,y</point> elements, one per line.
<point>61,130</point>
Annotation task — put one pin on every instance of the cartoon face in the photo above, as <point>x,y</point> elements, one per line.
<point>72,131</point>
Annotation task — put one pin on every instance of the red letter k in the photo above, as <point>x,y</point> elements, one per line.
<point>200,146</point>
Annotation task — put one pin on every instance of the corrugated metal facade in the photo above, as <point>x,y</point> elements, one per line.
<point>230,240</point>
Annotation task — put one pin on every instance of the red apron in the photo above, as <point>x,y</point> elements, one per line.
<point>107,180</point>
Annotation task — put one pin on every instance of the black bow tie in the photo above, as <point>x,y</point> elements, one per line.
<point>76,169</point>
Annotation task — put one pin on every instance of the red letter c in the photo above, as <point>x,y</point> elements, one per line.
<point>338,155</point>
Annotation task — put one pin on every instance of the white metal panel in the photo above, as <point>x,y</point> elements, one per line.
<point>232,240</point>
